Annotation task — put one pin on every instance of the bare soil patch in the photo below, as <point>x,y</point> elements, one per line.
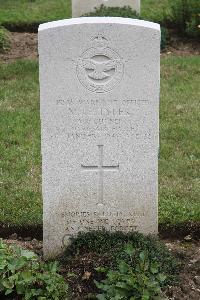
<point>188,287</point>
<point>25,45</point>
<point>182,47</point>
<point>186,250</point>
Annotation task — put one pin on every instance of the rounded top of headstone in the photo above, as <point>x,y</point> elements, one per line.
<point>99,20</point>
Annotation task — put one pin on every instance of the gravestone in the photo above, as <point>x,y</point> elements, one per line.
<point>82,7</point>
<point>99,88</point>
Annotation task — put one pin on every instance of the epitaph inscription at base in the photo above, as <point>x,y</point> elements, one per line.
<point>99,89</point>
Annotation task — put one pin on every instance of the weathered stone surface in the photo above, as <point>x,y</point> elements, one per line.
<point>99,85</point>
<point>81,7</point>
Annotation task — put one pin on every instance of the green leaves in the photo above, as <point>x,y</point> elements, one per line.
<point>141,282</point>
<point>7,284</point>
<point>146,295</point>
<point>129,249</point>
<point>104,11</point>
<point>123,267</point>
<point>154,268</point>
<point>28,254</point>
<point>22,273</point>
<point>101,297</point>
<point>161,277</point>
<point>101,269</point>
<point>15,264</point>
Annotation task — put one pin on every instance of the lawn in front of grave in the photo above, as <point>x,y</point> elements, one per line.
<point>179,164</point>
<point>20,165</point>
<point>20,144</point>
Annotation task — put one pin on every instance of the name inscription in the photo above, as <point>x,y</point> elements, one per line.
<point>94,118</point>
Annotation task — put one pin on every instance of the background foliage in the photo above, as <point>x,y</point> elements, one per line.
<point>185,16</point>
<point>22,273</point>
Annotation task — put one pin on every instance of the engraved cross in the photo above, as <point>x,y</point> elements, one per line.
<point>101,168</point>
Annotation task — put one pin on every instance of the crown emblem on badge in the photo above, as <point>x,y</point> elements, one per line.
<point>100,38</point>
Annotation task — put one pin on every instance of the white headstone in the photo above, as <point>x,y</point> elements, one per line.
<point>82,7</point>
<point>99,85</point>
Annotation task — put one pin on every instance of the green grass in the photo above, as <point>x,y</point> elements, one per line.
<point>179,165</point>
<point>23,12</point>
<point>20,173</point>
<point>180,140</point>
<point>35,11</point>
